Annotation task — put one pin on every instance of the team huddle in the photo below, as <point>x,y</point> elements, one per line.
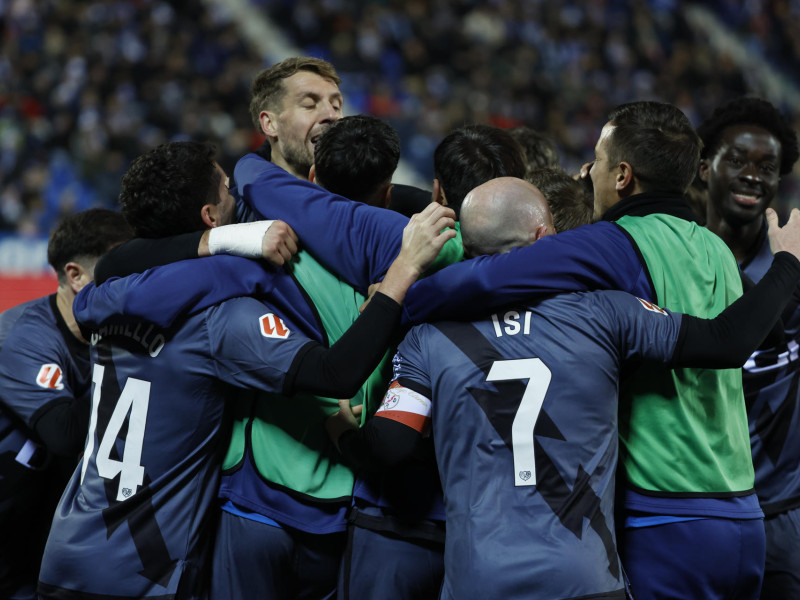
<point>302,381</point>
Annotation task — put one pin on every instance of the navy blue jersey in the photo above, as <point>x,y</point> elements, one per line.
<point>134,519</point>
<point>523,408</point>
<point>42,366</point>
<point>41,361</point>
<point>771,378</point>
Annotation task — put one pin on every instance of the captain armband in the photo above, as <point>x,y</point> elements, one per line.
<point>406,406</point>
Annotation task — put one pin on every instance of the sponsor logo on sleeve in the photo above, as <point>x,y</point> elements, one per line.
<point>272,326</point>
<point>652,307</point>
<point>50,377</point>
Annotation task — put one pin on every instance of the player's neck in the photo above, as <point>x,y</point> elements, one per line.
<point>739,238</point>
<point>64,298</point>
<point>281,162</point>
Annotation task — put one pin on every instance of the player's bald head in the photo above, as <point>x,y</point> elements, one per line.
<point>502,214</point>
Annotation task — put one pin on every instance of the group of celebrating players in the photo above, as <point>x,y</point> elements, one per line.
<point>250,395</point>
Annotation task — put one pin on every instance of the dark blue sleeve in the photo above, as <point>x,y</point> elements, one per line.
<point>592,257</point>
<point>252,346</point>
<point>355,241</point>
<point>643,330</point>
<point>410,359</point>
<point>35,370</point>
<point>162,294</point>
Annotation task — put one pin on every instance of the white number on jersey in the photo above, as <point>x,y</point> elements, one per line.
<point>134,399</point>
<point>538,376</point>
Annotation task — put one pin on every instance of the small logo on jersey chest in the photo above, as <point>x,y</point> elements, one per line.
<point>50,377</point>
<point>272,326</point>
<point>524,475</point>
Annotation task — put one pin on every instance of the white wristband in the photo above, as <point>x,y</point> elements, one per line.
<point>241,239</point>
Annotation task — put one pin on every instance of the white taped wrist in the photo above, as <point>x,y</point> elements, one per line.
<point>241,239</point>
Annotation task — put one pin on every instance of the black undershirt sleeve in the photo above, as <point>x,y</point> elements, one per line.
<point>379,444</point>
<point>729,339</point>
<point>139,254</point>
<point>62,426</point>
<point>338,371</point>
<point>776,335</point>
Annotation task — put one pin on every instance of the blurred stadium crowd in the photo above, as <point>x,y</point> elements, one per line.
<point>85,86</point>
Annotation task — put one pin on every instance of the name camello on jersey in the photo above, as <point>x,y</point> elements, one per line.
<point>145,334</point>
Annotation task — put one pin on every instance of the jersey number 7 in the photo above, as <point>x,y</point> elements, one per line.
<point>538,376</point>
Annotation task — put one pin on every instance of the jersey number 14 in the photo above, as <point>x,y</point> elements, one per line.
<point>134,399</point>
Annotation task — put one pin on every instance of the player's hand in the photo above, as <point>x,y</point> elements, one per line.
<point>370,293</point>
<point>423,238</point>
<point>786,238</point>
<point>425,235</point>
<point>279,243</point>
<point>345,419</point>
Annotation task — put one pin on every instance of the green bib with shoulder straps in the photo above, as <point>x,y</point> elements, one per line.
<point>288,440</point>
<point>685,430</point>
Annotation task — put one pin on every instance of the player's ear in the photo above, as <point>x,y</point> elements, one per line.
<point>538,233</point>
<point>77,276</point>
<point>312,173</point>
<point>438,193</point>
<point>266,119</point>
<point>209,213</point>
<point>704,168</point>
<point>625,180</point>
<point>386,199</point>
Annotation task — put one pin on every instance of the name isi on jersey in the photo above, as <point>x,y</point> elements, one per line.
<point>512,323</point>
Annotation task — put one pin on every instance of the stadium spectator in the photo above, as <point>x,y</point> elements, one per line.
<point>44,397</point>
<point>137,75</point>
<point>747,147</point>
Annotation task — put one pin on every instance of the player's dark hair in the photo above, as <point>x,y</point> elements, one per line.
<point>658,141</point>
<point>539,150</point>
<point>356,157</point>
<point>472,155</point>
<point>165,188</point>
<point>569,204</point>
<point>750,111</point>
<point>267,90</point>
<point>85,236</point>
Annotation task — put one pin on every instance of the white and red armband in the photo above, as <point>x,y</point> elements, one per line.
<point>406,406</point>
